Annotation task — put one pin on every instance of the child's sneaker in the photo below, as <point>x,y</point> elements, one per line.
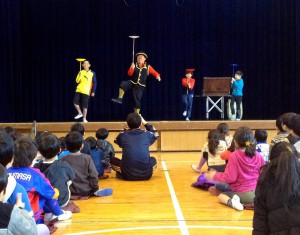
<point>236,204</point>
<point>84,120</point>
<point>78,116</point>
<point>64,216</point>
<point>195,168</point>
<point>104,192</point>
<point>184,113</point>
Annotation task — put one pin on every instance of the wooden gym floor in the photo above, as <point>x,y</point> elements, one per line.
<point>164,205</point>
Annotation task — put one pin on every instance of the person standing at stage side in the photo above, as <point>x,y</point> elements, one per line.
<point>237,85</point>
<point>138,73</point>
<point>188,84</point>
<point>136,163</point>
<point>87,83</point>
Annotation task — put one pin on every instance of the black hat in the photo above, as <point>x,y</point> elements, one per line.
<point>142,53</point>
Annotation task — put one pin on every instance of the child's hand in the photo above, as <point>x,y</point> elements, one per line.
<point>19,202</point>
<point>158,78</point>
<point>132,65</point>
<point>232,80</point>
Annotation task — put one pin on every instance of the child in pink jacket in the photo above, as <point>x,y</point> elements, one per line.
<point>242,171</point>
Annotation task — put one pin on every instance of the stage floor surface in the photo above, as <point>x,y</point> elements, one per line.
<point>166,204</point>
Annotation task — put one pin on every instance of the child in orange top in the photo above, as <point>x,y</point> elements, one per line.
<point>188,84</point>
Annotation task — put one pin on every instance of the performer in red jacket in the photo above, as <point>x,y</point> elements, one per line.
<point>138,73</point>
<point>188,84</point>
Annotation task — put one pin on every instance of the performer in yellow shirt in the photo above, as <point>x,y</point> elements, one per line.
<point>86,87</point>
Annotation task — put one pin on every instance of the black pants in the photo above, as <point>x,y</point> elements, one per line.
<point>137,92</point>
<point>238,100</point>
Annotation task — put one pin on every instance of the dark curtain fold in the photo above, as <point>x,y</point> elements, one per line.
<point>40,41</point>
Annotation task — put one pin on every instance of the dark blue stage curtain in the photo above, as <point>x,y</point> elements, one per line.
<point>41,39</point>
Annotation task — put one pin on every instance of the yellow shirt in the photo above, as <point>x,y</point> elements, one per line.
<point>85,82</point>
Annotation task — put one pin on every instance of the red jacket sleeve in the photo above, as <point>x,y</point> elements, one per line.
<point>130,71</point>
<point>153,72</point>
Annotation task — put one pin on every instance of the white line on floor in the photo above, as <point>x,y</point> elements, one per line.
<point>181,221</point>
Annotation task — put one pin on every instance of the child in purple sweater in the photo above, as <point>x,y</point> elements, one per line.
<point>242,171</point>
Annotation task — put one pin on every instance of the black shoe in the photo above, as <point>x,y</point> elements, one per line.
<point>117,100</point>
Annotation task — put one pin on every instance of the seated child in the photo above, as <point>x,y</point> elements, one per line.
<point>281,134</point>
<point>106,147</point>
<point>63,148</point>
<point>136,163</point>
<point>211,153</point>
<point>242,171</point>
<point>85,183</point>
<point>80,128</point>
<point>97,156</point>
<point>225,135</point>
<point>14,219</point>
<point>40,192</point>
<point>287,126</point>
<point>277,195</point>
<point>59,173</point>
<point>296,131</point>
<point>261,144</point>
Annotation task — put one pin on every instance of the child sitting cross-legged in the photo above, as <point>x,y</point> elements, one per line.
<point>85,183</point>
<point>40,191</point>
<point>59,173</point>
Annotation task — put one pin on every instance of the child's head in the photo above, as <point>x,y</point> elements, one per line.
<point>141,57</point>
<point>244,138</point>
<point>238,74</point>
<point>295,125</point>
<point>6,149</point>
<point>261,136</point>
<point>86,65</point>
<point>134,120</point>
<point>78,127</point>
<point>213,141</point>
<point>49,146</point>
<point>189,73</point>
<point>40,135</point>
<point>3,181</point>
<point>74,141</point>
<point>62,143</point>
<point>279,123</point>
<point>14,134</point>
<point>92,141</point>
<point>281,147</point>
<point>102,134</point>
<point>25,152</point>
<point>287,121</point>
<point>223,129</point>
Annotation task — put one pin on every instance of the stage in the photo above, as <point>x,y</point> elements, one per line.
<point>174,135</point>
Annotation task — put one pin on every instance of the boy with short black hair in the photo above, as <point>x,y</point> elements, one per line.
<point>136,163</point>
<point>80,128</point>
<point>261,144</point>
<point>281,134</point>
<point>97,156</point>
<point>106,147</point>
<point>13,219</point>
<point>40,192</point>
<point>85,182</point>
<point>59,173</point>
<point>287,123</point>
<point>295,126</point>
